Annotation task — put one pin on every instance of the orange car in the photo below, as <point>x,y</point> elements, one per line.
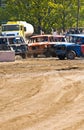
<point>43,45</point>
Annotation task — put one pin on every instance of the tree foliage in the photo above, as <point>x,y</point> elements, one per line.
<point>44,14</point>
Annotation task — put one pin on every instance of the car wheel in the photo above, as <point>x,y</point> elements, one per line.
<point>47,54</point>
<point>24,55</point>
<point>35,55</point>
<point>71,55</point>
<point>61,57</point>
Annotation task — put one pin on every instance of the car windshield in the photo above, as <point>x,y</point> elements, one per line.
<point>10,27</point>
<point>39,39</point>
<point>14,40</point>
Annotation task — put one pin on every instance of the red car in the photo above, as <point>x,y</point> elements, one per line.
<point>43,45</point>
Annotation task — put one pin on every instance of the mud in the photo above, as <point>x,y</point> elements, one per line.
<point>42,94</point>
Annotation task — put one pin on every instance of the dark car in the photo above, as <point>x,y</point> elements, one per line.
<point>69,50</point>
<point>17,43</point>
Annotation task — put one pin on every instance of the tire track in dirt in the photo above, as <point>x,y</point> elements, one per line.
<point>52,98</point>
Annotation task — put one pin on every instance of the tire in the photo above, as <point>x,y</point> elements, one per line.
<point>47,54</point>
<point>71,55</point>
<point>24,55</point>
<point>53,54</point>
<point>61,57</point>
<point>35,55</point>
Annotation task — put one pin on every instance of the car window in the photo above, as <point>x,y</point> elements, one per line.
<point>11,41</point>
<point>16,40</point>
<point>3,40</point>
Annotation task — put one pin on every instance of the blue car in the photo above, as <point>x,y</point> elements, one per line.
<point>69,50</point>
<point>76,38</point>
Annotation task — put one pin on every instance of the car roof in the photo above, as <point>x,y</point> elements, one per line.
<point>46,35</point>
<point>69,43</point>
<point>10,36</point>
<point>76,35</point>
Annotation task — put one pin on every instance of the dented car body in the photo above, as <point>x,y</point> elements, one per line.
<point>43,45</point>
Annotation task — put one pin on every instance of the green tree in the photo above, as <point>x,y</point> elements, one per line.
<point>44,14</point>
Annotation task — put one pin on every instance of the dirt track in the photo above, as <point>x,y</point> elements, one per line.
<point>42,94</point>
